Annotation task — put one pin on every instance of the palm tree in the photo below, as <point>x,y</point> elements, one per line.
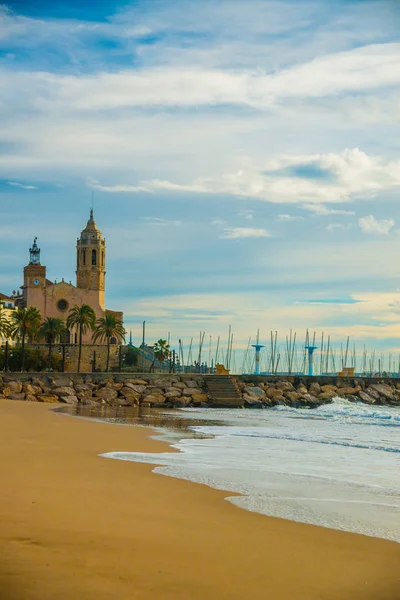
<point>84,318</point>
<point>52,329</point>
<point>106,328</point>
<point>4,324</point>
<point>161,351</point>
<point>25,323</point>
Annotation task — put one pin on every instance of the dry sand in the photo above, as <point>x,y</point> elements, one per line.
<point>75,526</point>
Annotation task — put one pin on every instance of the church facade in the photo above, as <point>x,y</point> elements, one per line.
<point>56,299</point>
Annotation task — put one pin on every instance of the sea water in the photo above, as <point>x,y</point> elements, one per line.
<point>335,466</point>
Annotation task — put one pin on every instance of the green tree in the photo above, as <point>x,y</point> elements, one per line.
<point>106,328</point>
<point>4,324</point>
<point>25,324</point>
<point>84,319</point>
<point>161,351</point>
<point>52,329</point>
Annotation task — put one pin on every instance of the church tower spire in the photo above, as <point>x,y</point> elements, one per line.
<point>91,260</point>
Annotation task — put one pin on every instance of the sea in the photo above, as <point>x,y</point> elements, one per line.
<point>335,466</point>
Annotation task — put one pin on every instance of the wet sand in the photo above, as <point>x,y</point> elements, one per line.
<point>75,526</point>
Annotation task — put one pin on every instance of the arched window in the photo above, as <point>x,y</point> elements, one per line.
<point>84,256</point>
<point>94,257</point>
<point>113,340</point>
<point>102,259</point>
<point>67,336</point>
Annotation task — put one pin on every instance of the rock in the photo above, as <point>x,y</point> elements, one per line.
<point>328,388</point>
<point>366,398</point>
<point>68,399</point>
<point>31,389</point>
<point>179,384</point>
<point>279,400</point>
<point>372,392</point>
<point>328,395</point>
<point>199,398</point>
<point>106,394</point>
<point>255,391</point>
<point>154,399</point>
<point>310,400</point>
<point>292,396</point>
<point>60,381</point>
<point>136,387</point>
<point>285,386</point>
<point>77,380</point>
<point>383,390</point>
<point>190,391</point>
<point>272,392</point>
<point>136,381</point>
<point>191,383</point>
<point>181,402</point>
<point>63,391</point>
<point>352,398</point>
<point>31,398</point>
<point>85,396</point>
<point>348,391</point>
<point>47,398</point>
<point>173,393</point>
<point>315,389</point>
<point>13,387</point>
<point>130,395</point>
<point>20,396</point>
<point>150,390</point>
<point>251,400</point>
<point>301,389</point>
<point>113,385</point>
<point>84,387</point>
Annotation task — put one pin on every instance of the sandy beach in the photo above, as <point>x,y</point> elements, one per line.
<point>78,526</point>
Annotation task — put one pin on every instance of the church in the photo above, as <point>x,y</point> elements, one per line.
<point>56,299</point>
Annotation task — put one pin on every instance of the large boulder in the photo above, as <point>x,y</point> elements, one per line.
<point>154,399</point>
<point>348,391</point>
<point>314,389</point>
<point>130,395</point>
<point>31,398</point>
<point>255,391</point>
<point>20,396</point>
<point>301,389</point>
<point>136,387</point>
<point>273,393</point>
<point>310,400</point>
<point>328,395</point>
<point>179,384</point>
<point>199,399</point>
<point>12,387</point>
<point>84,387</point>
<point>106,394</point>
<point>68,399</point>
<point>173,393</point>
<point>191,383</point>
<point>252,400</point>
<point>151,390</point>
<point>383,390</point>
<point>292,396</point>
<point>52,398</point>
<point>63,391</point>
<point>328,388</point>
<point>114,385</point>
<point>285,386</point>
<point>190,391</point>
<point>32,389</point>
<point>60,381</point>
<point>372,392</point>
<point>136,381</point>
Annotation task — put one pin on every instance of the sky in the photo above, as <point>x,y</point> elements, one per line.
<point>243,155</point>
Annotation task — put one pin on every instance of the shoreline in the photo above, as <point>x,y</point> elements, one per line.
<point>76,526</point>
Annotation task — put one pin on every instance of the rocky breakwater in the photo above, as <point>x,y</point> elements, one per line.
<point>312,394</point>
<point>164,391</point>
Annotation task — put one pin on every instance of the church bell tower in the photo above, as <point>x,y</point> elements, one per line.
<point>91,260</point>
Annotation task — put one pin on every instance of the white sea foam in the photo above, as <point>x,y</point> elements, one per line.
<point>337,466</point>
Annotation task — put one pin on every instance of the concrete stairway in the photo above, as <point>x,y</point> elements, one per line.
<point>223,391</point>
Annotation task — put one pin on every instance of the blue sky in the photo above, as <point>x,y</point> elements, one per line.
<point>244,158</point>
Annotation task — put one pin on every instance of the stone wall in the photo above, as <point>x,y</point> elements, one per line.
<point>173,390</point>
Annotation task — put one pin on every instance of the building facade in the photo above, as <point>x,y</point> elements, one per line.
<point>56,299</point>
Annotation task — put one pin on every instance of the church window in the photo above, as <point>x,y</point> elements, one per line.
<point>102,259</point>
<point>62,305</point>
<point>94,257</point>
<point>84,256</point>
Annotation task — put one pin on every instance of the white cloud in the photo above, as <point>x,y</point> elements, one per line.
<point>117,188</point>
<point>286,218</point>
<point>161,222</point>
<point>21,185</point>
<point>372,226</point>
<point>246,214</point>
<point>236,233</point>
<point>318,209</point>
<point>338,226</point>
